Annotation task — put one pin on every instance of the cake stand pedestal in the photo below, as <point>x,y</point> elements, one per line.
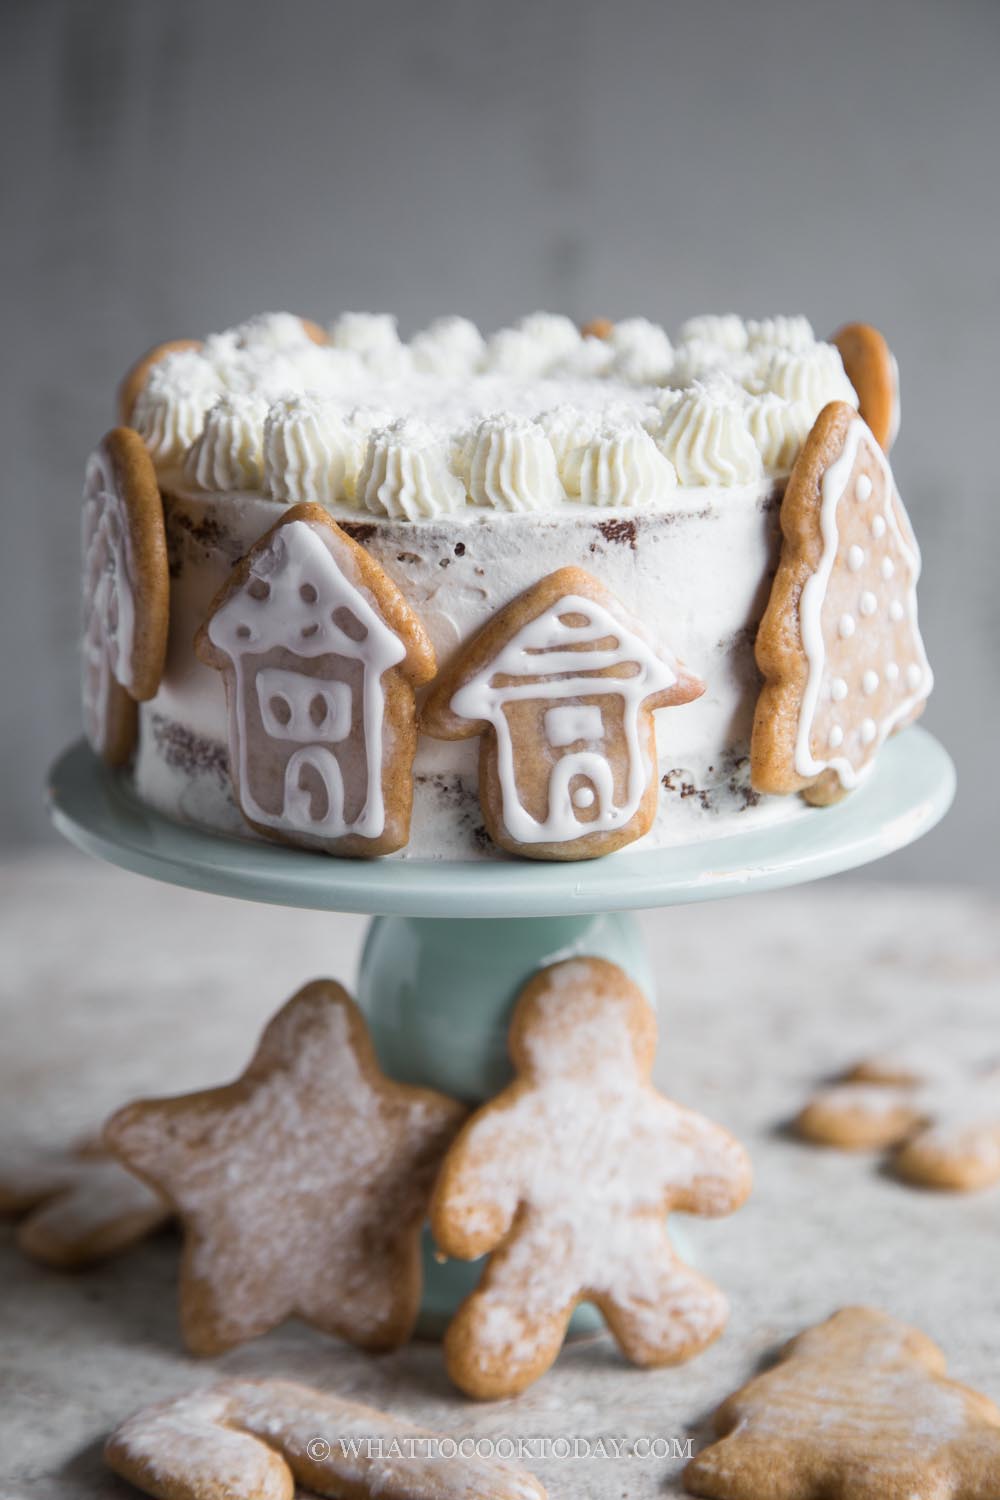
<point>452,943</point>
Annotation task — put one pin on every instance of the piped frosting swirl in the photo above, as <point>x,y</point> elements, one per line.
<point>706,437</point>
<point>228,454</point>
<point>406,473</point>
<point>511,466</point>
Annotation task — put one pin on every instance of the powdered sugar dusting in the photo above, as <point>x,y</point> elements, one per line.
<point>310,1139</point>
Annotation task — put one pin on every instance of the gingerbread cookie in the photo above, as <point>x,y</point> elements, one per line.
<point>320,654</point>
<point>301,1187</point>
<point>255,1439</point>
<point>561,685</point>
<point>858,1407</point>
<point>839,644</point>
<point>598,328</point>
<point>126,591</point>
<point>942,1118</point>
<point>566,1179</point>
<point>76,1207</point>
<point>872,370</point>
<point>135,378</point>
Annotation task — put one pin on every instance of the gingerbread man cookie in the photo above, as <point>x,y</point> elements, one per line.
<point>76,1207</point>
<point>562,685</point>
<point>858,1407</point>
<point>839,645</point>
<point>942,1118</point>
<point>320,654</point>
<point>126,591</point>
<point>566,1179</point>
<point>254,1439</point>
<point>301,1187</point>
<point>871,368</point>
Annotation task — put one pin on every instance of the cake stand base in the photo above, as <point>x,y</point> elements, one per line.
<point>453,943</point>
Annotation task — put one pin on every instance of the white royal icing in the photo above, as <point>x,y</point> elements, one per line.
<point>307,589</point>
<point>835,491</point>
<point>547,648</point>
<point>108,636</point>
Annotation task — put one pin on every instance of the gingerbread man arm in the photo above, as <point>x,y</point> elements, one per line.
<point>705,1170</point>
<point>478,1189</point>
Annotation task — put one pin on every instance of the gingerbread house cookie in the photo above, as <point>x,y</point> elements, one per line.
<point>126,587</point>
<point>839,645</point>
<point>562,686</point>
<point>320,654</point>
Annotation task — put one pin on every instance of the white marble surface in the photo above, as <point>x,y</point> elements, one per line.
<point>112,986</point>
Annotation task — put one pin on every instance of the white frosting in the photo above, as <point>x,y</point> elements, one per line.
<point>619,466</point>
<point>298,576</point>
<point>724,331</point>
<point>780,332</point>
<point>229,454</point>
<point>900,603</point>
<point>511,466</point>
<point>812,376</point>
<point>706,437</point>
<point>310,449</point>
<point>779,428</point>
<point>170,410</point>
<point>448,346</point>
<point>329,398</point>
<point>406,473</point>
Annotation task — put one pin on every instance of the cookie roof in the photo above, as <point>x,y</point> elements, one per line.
<point>538,416</point>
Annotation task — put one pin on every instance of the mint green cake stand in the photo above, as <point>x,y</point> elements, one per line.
<point>452,943</point>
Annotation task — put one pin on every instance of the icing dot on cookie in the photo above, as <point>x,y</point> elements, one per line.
<point>869,683</point>
<point>835,737</point>
<point>887,568</point>
<point>838,689</point>
<point>895,610</point>
<point>914,676</point>
<point>864,488</point>
<point>878,527</point>
<point>855,557</point>
<point>868,731</point>
<point>891,671</point>
<point>868,604</point>
<point>583,797</point>
<point>845,627</point>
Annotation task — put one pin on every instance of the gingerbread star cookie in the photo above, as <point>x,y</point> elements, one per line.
<point>76,1207</point>
<point>320,654</point>
<point>940,1117</point>
<point>858,1407</point>
<point>566,1179</point>
<point>839,645</point>
<point>301,1187</point>
<point>871,368</point>
<point>562,685</point>
<point>254,1439</point>
<point>126,591</point>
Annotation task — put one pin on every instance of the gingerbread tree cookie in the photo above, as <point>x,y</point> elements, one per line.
<point>562,685</point>
<point>942,1118</point>
<point>320,654</point>
<point>76,1207</point>
<point>872,370</point>
<point>254,1439</point>
<point>301,1187</point>
<point>126,591</point>
<point>858,1407</point>
<point>566,1179</point>
<point>839,644</point>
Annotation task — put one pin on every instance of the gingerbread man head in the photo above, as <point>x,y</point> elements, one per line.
<point>577,1020</point>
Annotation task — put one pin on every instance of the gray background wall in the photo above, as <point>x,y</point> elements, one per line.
<point>171,166</point>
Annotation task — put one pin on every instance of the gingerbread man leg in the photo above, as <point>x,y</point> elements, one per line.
<point>661,1311</point>
<point>510,1330</point>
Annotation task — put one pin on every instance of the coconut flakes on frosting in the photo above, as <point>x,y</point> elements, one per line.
<point>538,417</point>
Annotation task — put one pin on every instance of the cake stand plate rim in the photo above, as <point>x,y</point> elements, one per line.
<point>910,790</point>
